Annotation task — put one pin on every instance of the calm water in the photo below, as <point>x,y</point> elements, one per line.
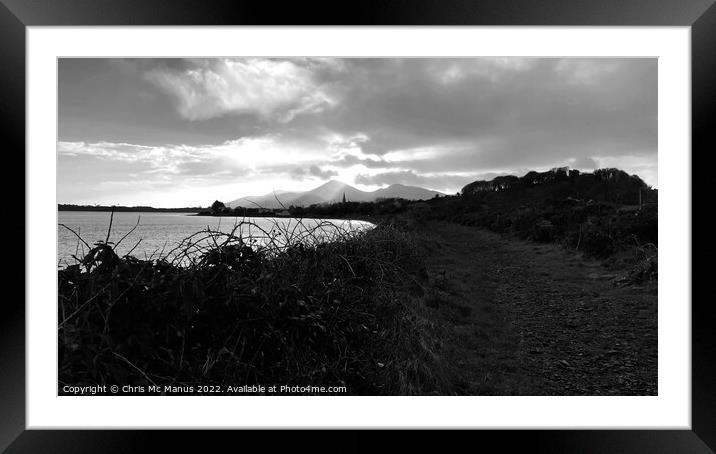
<point>161,232</point>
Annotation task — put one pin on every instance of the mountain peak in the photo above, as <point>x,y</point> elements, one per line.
<point>332,184</point>
<point>334,191</point>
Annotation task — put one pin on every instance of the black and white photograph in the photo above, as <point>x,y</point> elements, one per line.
<point>332,226</point>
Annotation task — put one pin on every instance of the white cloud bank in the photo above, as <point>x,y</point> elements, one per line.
<point>271,88</point>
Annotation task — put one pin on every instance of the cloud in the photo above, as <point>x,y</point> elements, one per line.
<point>584,163</point>
<point>298,173</point>
<point>313,171</point>
<point>180,175</point>
<point>212,167</point>
<point>352,160</point>
<point>489,68</point>
<point>320,173</point>
<point>439,182</point>
<point>260,154</point>
<point>533,104</point>
<point>275,89</point>
<point>113,151</point>
<point>585,71</point>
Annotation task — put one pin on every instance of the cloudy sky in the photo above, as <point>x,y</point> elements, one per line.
<point>175,132</point>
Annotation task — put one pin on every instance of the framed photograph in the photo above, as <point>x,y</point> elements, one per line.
<point>435,217</point>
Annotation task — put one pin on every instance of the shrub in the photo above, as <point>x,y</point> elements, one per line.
<point>223,309</point>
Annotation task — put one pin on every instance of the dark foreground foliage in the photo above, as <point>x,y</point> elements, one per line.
<point>348,312</point>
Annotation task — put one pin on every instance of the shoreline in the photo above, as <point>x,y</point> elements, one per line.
<point>329,315</point>
<point>365,218</point>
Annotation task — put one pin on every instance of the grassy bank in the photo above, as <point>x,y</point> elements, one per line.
<point>623,237</point>
<point>349,312</point>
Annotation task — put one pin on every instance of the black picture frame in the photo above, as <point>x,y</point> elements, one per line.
<point>16,15</point>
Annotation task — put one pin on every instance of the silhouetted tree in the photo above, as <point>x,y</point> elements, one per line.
<point>217,206</point>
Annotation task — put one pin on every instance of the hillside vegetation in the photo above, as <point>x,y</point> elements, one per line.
<point>607,214</point>
<point>596,213</point>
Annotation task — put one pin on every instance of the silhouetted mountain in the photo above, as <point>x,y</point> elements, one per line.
<point>401,191</point>
<point>331,192</point>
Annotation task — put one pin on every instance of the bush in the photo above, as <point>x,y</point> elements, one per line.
<point>343,312</point>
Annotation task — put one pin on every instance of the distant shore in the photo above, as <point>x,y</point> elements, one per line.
<point>345,217</point>
<point>70,207</point>
<point>199,211</point>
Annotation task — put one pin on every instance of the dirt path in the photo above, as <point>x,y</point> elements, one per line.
<point>533,319</point>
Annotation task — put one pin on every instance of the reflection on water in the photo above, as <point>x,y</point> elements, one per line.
<point>170,234</point>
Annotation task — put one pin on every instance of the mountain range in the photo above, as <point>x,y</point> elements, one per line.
<point>332,192</point>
